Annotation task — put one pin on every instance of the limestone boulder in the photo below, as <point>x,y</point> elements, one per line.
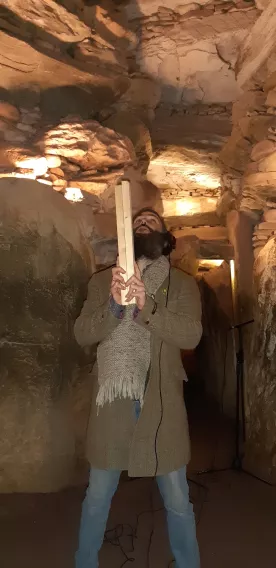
<point>143,95</point>
<point>262,4</point>
<point>260,180</point>
<point>191,49</point>
<point>70,57</point>
<point>46,262</point>
<point>270,82</point>
<point>249,102</point>
<point>10,133</point>
<point>270,215</point>
<point>251,168</point>
<point>49,16</point>
<point>256,128</point>
<point>235,154</point>
<point>109,23</point>
<point>225,203</point>
<point>88,144</point>
<point>9,112</point>
<point>260,451</point>
<point>258,46</point>
<point>262,149</point>
<point>268,164</point>
<point>271,98</point>
<point>129,125</point>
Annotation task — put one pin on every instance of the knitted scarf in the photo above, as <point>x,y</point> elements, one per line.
<point>124,356</point>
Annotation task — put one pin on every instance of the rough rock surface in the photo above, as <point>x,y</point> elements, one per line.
<point>191,48</point>
<point>70,57</point>
<point>258,45</point>
<point>46,262</point>
<point>260,455</point>
<point>48,16</point>
<point>250,151</point>
<point>131,126</point>
<point>216,344</point>
<point>87,143</point>
<point>185,156</point>
<point>76,152</point>
<point>248,158</point>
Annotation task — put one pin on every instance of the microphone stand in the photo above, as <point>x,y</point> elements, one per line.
<point>240,425</point>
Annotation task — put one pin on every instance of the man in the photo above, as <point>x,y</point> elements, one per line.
<point>138,419</point>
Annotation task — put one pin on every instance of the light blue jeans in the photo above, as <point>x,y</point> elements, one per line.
<point>181,523</point>
<point>174,490</point>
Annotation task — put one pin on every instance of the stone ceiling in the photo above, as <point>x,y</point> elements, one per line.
<point>141,88</point>
<point>185,161</point>
<point>190,49</point>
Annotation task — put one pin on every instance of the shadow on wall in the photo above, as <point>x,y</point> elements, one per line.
<point>216,353</point>
<point>64,98</point>
<point>26,31</point>
<point>45,267</point>
<point>196,73</point>
<point>57,102</point>
<point>85,99</point>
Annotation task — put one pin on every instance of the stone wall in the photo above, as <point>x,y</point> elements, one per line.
<point>260,451</point>
<point>46,263</point>
<point>70,57</point>
<point>248,201</point>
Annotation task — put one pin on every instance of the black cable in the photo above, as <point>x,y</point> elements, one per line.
<point>113,536</point>
<point>157,430</point>
<point>119,529</point>
<point>156,441</point>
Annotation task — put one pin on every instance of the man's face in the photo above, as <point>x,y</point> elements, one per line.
<point>148,236</point>
<point>146,223</point>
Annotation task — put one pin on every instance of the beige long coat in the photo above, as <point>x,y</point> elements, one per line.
<point>115,440</point>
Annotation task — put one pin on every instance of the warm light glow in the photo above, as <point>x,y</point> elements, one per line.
<point>212,262</point>
<point>73,194</point>
<point>187,206</point>
<point>233,287</point>
<point>38,165</point>
<point>188,170</point>
<point>205,180</point>
<point>45,181</point>
<point>183,207</point>
<point>232,272</point>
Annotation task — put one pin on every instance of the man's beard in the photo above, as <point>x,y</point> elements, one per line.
<point>149,245</point>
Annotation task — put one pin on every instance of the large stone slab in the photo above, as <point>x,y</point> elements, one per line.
<point>46,263</point>
<point>48,16</point>
<point>28,74</point>
<point>260,450</point>
<point>258,46</point>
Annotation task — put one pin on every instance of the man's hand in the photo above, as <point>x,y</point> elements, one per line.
<point>117,284</point>
<point>136,288</point>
